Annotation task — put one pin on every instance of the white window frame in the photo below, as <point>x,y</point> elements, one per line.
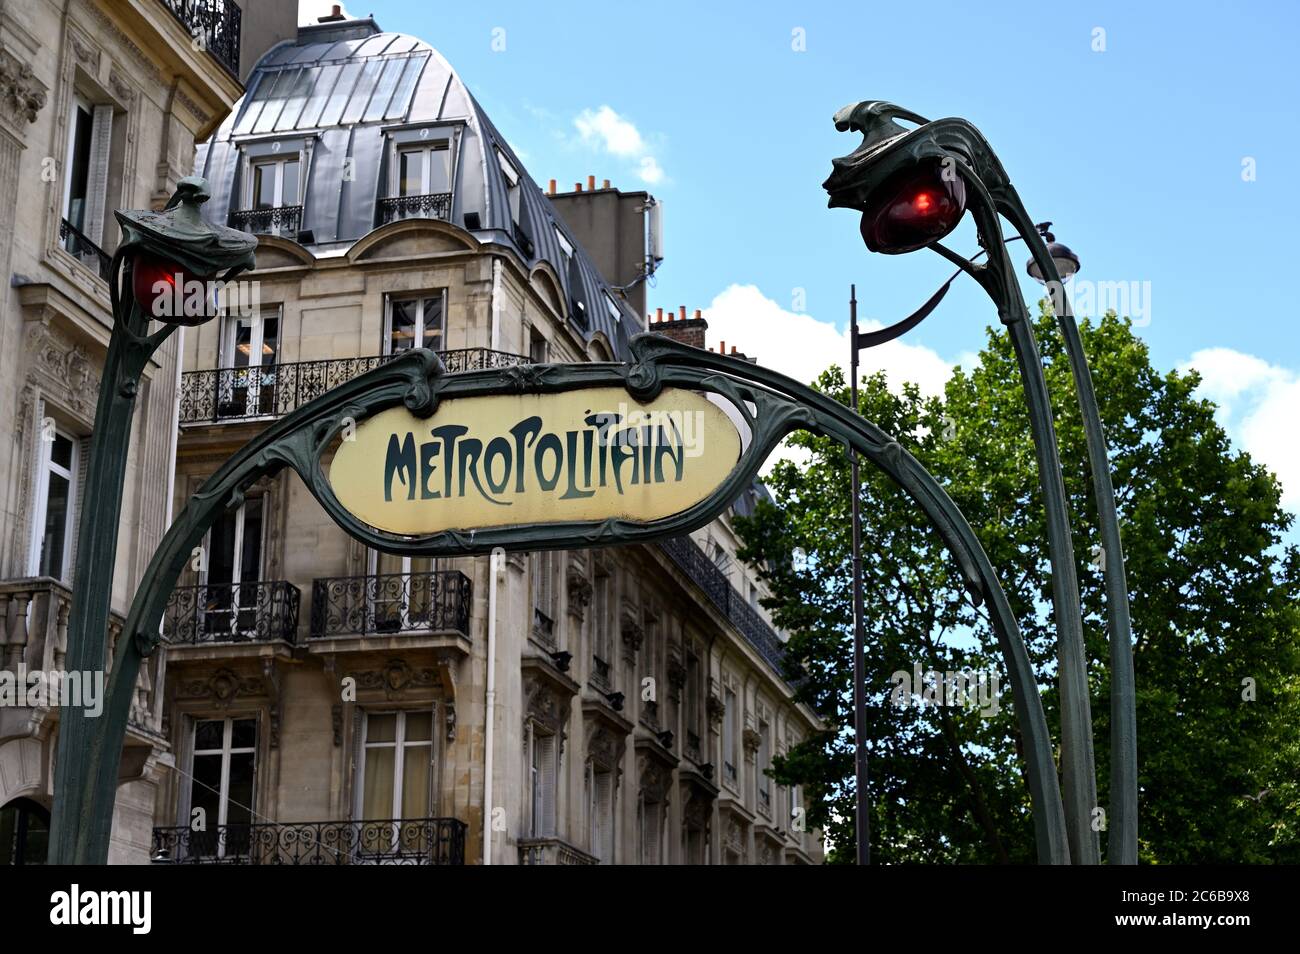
<point>426,150</point>
<point>237,561</point>
<point>763,761</point>
<point>730,736</point>
<point>542,818</point>
<point>420,300</point>
<point>399,763</point>
<point>46,465</point>
<point>226,751</point>
<point>277,160</point>
<point>514,190</point>
<point>601,816</point>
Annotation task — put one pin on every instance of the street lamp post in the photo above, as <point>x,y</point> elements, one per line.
<point>862,803</point>
<point>161,257</point>
<point>911,185</point>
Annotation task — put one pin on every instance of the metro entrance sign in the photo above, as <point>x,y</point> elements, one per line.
<point>651,415</point>
<point>503,460</point>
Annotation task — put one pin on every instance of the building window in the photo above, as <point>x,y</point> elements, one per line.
<point>231,581</point>
<point>537,348</point>
<point>649,820</point>
<point>250,351</point>
<point>612,310</point>
<point>402,593</point>
<point>512,185</point>
<point>52,522</point>
<point>730,734</point>
<point>764,763</point>
<point>423,169</point>
<point>694,691</point>
<point>396,765</point>
<point>273,183</point>
<point>24,833</point>
<point>602,648</point>
<point>600,812</point>
<point>543,777</point>
<point>543,584</point>
<point>223,771</point>
<point>566,252</point>
<point>415,323</point>
<point>90,161</point>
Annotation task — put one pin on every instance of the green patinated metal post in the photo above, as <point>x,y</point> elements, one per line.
<point>889,148</point>
<point>178,239</point>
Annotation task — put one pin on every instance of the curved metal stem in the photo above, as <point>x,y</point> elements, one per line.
<point>1122,838</point>
<point>1078,768</point>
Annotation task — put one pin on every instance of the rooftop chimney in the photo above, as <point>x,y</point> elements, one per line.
<point>688,331</point>
<point>336,14</point>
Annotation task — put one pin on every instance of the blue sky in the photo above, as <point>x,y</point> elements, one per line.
<point>1141,153</point>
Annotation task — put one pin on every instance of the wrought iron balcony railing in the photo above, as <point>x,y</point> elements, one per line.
<point>543,628</point>
<point>284,220</point>
<point>401,841</point>
<point>391,603</point>
<point>213,22</point>
<point>707,576</point>
<point>264,611</point>
<point>238,394</point>
<point>435,205</point>
<point>90,254</point>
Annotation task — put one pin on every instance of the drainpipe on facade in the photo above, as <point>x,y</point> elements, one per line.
<point>496,563</point>
<point>496,304</point>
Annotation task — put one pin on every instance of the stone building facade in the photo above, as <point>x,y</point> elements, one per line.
<point>101,104</point>
<point>327,703</point>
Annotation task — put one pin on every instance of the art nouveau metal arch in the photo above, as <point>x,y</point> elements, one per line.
<point>771,404</point>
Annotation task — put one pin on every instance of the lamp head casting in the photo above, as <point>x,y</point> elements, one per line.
<point>906,185</point>
<point>169,250</point>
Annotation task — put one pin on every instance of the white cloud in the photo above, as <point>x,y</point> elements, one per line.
<point>605,129</point>
<point>1257,406</point>
<point>650,170</point>
<point>309,11</point>
<point>802,347</point>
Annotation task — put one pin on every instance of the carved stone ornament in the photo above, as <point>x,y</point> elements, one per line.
<point>751,738</point>
<point>630,628</point>
<point>62,367</point>
<point>605,749</point>
<point>580,591</point>
<point>395,678</point>
<point>544,705</point>
<point>716,709</point>
<point>655,779</point>
<point>22,95</point>
<point>221,688</point>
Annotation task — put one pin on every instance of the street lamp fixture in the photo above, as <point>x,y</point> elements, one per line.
<point>162,254</point>
<point>902,178</point>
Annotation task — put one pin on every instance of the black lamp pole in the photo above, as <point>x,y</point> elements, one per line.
<point>862,825</point>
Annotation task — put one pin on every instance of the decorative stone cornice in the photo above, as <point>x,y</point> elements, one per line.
<point>580,591</point>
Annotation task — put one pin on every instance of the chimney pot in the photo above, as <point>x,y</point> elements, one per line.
<point>605,184</point>
<point>336,10</point>
<point>659,314</point>
<point>722,347</point>
<point>577,187</point>
<point>682,312</point>
<point>550,188</point>
<point>591,183</point>
<point>698,315</point>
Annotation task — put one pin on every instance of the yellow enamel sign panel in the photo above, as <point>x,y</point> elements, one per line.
<point>512,459</point>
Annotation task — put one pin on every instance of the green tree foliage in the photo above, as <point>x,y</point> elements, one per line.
<point>1213,593</point>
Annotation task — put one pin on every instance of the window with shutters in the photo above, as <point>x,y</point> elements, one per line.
<point>730,736</point>
<point>542,774</point>
<point>544,565</point>
<point>600,812</point>
<point>58,465</point>
<point>761,769</point>
<point>602,627</point>
<point>694,690</point>
<point>649,817</point>
<point>92,181</point>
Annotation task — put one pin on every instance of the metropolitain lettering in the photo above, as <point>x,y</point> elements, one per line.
<point>609,451</point>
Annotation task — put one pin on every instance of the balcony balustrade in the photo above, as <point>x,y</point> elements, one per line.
<point>552,851</point>
<point>214,23</point>
<point>284,220</point>
<point>86,251</point>
<point>261,611</point>
<point>435,205</point>
<point>400,841</point>
<point>270,391</point>
<point>391,603</point>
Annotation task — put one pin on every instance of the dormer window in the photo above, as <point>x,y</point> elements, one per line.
<point>272,190</point>
<point>419,178</point>
<point>513,196</point>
